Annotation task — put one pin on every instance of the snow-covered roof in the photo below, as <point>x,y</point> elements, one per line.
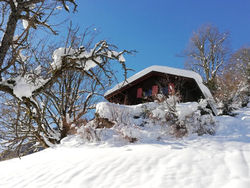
<point>169,70</point>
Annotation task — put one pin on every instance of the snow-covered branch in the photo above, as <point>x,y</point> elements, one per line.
<point>63,60</point>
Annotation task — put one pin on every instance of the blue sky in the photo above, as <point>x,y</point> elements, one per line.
<point>160,29</point>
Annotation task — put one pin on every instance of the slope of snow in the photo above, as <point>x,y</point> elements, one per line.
<point>220,161</point>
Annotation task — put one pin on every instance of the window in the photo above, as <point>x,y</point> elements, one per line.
<point>139,93</point>
<point>154,90</point>
<point>164,90</point>
<point>148,93</point>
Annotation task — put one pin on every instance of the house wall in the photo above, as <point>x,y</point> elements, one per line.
<point>186,88</point>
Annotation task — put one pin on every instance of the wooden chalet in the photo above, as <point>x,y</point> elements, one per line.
<point>147,84</point>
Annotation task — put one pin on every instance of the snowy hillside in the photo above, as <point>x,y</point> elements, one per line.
<point>219,161</point>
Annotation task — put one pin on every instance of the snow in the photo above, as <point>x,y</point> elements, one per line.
<point>22,57</point>
<point>121,58</point>
<point>216,161</point>
<point>109,110</point>
<point>25,24</point>
<point>186,109</point>
<point>173,71</point>
<point>248,105</point>
<point>59,7</point>
<point>57,56</point>
<point>38,70</point>
<point>22,88</point>
<point>81,59</point>
<point>15,3</point>
<point>91,64</point>
<point>147,123</point>
<point>25,85</point>
<point>87,62</point>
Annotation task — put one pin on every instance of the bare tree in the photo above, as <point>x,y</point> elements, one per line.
<point>32,86</point>
<point>234,82</point>
<point>206,53</point>
<point>240,63</point>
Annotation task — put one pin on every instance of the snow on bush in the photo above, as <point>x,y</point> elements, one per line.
<point>148,122</point>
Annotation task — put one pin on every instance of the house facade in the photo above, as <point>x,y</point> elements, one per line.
<point>148,83</point>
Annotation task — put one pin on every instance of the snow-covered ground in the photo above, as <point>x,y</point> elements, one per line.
<point>220,161</point>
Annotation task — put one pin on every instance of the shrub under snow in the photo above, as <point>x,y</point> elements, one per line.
<point>148,122</point>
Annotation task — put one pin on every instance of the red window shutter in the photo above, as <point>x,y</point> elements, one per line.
<point>154,90</point>
<point>139,93</point>
<point>171,89</point>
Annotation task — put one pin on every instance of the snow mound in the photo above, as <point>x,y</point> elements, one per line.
<point>146,123</point>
